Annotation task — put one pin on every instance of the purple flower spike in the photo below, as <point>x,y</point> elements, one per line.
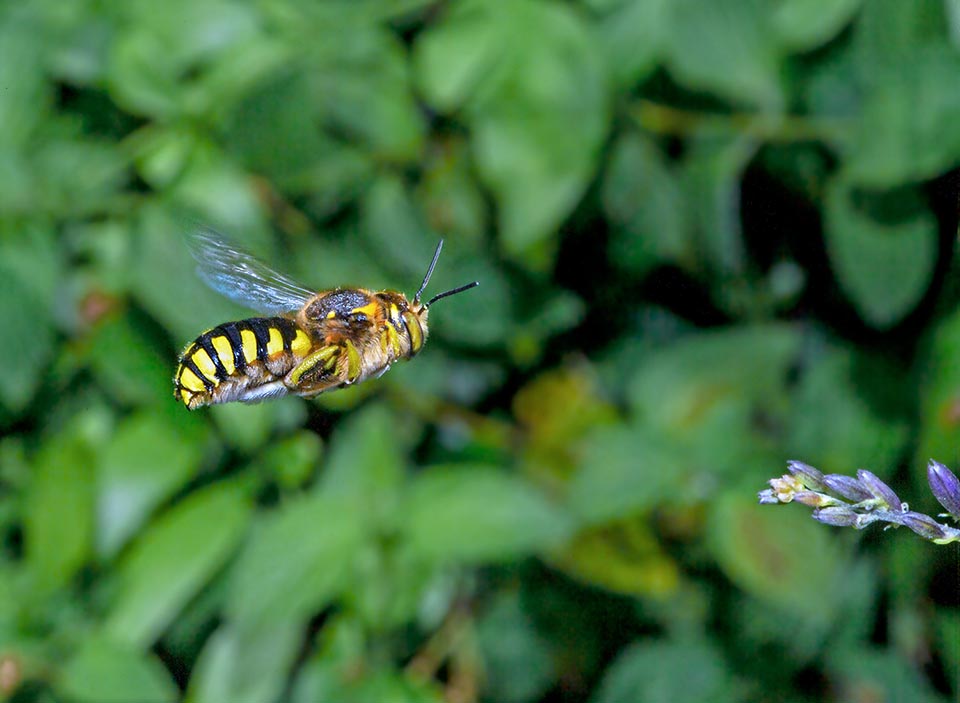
<point>945,486</point>
<point>846,487</point>
<point>807,475</point>
<point>879,489</point>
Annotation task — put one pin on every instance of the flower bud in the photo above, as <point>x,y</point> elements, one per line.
<point>925,526</point>
<point>879,489</point>
<point>785,487</point>
<point>808,476</point>
<point>839,516</point>
<point>846,487</point>
<point>767,497</point>
<point>945,486</point>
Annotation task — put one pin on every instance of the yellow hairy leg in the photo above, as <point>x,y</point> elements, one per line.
<point>325,358</point>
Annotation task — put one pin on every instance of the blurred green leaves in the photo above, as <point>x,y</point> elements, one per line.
<point>884,266</point>
<point>537,108</point>
<point>174,559</point>
<point>476,514</point>
<point>725,47</point>
<point>107,672</point>
<point>296,560</point>
<point>688,672</point>
<point>59,512</point>
<point>710,235</point>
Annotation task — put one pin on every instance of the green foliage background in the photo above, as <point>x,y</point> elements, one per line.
<point>711,235</point>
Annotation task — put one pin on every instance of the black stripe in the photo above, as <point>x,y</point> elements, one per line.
<point>261,330</point>
<point>288,331</point>
<point>232,334</point>
<point>204,341</point>
<point>207,383</point>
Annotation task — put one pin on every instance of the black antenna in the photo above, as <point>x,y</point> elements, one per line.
<point>437,297</point>
<point>426,279</point>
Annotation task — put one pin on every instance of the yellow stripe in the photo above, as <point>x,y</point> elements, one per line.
<point>353,360</point>
<point>185,396</point>
<point>416,337</point>
<point>222,346</point>
<point>249,342</point>
<point>205,364</point>
<point>190,380</point>
<point>370,309</point>
<point>301,344</point>
<point>275,342</point>
<point>392,338</point>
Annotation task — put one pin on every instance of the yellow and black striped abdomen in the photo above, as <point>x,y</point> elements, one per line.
<point>244,360</point>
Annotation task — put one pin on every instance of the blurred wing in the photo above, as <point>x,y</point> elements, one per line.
<point>241,277</point>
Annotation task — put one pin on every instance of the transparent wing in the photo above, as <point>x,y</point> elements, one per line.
<point>241,277</point>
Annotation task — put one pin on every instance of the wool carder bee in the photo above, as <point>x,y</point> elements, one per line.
<point>307,343</point>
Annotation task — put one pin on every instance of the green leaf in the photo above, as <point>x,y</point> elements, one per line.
<point>779,556</point>
<point>103,166</point>
<point>127,366</point>
<point>711,177</point>
<point>518,660</point>
<point>364,90</point>
<point>245,665</point>
<point>323,680</point>
<point>248,427</point>
<point>59,512</point>
<point>883,264</point>
<point>104,671</point>
<point>147,460</point>
<point>906,131</point>
<point>26,96</point>
<point>661,671</point>
<point>174,559</point>
<point>806,24</point>
<point>292,460</point>
<point>394,226</point>
<point>274,131</point>
<point>366,460</point>
<point>296,560</point>
<point>643,199</point>
<point>883,672</point>
<point>725,47</point>
<point>152,61</point>
<point>450,194</point>
<point>477,514</point>
<point>835,428</point>
<point>890,32</point>
<point>704,393</point>
<point>631,34</point>
<point>534,94</point>
<point>626,470</point>
<point>29,268</point>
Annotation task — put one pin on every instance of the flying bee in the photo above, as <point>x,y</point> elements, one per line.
<point>308,343</point>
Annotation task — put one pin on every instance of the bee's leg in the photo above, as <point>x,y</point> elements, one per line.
<point>317,368</point>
